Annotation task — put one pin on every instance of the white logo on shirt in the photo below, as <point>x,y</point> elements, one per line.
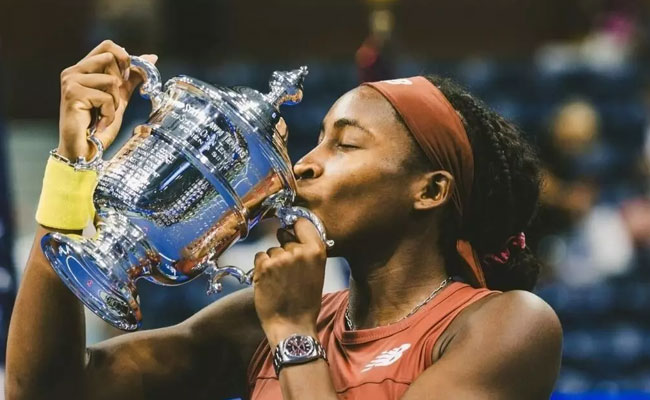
<point>387,357</point>
<point>401,81</point>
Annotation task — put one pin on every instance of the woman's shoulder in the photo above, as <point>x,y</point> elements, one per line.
<point>527,306</point>
<point>506,336</point>
<point>516,320</point>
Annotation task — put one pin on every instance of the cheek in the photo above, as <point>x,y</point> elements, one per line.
<point>364,197</point>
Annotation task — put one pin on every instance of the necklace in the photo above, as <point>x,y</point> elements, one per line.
<point>350,326</point>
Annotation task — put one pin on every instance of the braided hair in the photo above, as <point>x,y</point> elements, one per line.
<point>504,196</point>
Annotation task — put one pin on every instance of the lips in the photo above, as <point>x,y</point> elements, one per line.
<point>300,199</point>
<point>308,194</point>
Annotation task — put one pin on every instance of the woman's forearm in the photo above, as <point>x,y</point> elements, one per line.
<point>46,344</point>
<point>307,381</point>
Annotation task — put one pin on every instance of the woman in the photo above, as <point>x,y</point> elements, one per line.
<point>419,185</point>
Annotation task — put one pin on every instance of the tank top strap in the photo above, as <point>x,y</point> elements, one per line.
<point>454,305</point>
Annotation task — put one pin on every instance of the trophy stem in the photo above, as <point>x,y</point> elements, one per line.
<point>102,270</point>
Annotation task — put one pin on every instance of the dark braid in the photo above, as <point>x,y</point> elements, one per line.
<point>504,177</point>
<point>480,121</point>
<point>504,194</point>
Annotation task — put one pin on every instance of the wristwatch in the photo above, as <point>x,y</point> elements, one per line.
<point>297,349</point>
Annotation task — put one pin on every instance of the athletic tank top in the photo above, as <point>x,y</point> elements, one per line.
<point>378,363</point>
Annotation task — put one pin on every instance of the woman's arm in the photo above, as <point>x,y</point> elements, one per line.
<point>204,357</point>
<point>509,348</point>
<point>288,290</point>
<point>46,343</point>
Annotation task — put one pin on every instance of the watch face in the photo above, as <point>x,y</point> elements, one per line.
<point>299,346</point>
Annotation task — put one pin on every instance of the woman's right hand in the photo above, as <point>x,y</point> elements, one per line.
<point>103,80</point>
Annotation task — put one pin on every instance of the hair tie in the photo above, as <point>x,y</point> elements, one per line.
<point>517,241</point>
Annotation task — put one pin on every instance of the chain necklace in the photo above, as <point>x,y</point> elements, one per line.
<point>350,326</point>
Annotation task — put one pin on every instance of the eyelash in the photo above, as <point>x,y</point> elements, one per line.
<point>339,145</point>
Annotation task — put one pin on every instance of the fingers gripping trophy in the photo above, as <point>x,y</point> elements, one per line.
<point>205,168</point>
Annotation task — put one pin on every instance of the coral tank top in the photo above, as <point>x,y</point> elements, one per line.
<point>378,363</point>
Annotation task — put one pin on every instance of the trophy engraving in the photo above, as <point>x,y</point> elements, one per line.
<point>209,164</point>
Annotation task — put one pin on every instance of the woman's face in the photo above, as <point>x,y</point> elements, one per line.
<point>357,179</point>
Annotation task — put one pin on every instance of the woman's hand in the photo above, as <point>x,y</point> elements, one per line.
<point>289,283</point>
<point>102,80</point>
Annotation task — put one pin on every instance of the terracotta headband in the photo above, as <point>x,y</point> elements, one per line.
<point>438,129</point>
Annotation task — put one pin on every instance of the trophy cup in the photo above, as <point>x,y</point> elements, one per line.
<point>208,165</point>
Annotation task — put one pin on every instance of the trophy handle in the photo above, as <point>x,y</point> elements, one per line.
<point>216,273</point>
<point>152,86</point>
<point>288,216</point>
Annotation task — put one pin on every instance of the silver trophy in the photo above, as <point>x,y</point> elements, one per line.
<point>209,164</point>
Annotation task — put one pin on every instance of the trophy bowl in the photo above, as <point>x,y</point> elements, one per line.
<point>205,168</point>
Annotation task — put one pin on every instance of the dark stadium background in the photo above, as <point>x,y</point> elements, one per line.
<point>573,74</point>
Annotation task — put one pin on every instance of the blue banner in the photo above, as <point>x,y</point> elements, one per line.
<point>602,396</point>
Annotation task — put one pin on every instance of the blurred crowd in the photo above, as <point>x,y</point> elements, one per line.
<point>587,110</point>
<point>584,103</point>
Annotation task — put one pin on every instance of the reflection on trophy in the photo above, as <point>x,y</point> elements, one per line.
<point>208,165</point>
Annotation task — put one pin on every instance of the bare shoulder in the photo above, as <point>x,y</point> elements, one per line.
<point>517,313</point>
<point>511,342</point>
<point>516,331</point>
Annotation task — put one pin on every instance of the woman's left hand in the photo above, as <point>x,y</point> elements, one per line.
<point>289,283</point>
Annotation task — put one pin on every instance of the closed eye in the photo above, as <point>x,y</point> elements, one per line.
<point>347,146</point>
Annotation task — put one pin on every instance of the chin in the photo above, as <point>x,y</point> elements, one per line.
<point>332,224</point>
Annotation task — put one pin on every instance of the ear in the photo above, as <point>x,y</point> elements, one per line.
<point>434,190</point>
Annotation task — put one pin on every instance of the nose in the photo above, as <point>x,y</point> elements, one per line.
<point>306,168</point>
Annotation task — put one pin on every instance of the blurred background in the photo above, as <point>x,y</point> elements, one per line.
<point>573,74</point>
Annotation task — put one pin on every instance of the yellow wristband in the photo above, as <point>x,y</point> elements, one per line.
<point>67,197</point>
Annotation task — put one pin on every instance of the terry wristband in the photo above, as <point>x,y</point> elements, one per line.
<point>66,200</point>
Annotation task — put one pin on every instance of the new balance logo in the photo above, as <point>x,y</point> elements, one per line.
<point>387,357</point>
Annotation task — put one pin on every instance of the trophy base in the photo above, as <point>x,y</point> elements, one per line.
<point>92,280</point>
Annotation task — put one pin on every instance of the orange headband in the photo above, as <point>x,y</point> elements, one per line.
<point>438,129</point>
